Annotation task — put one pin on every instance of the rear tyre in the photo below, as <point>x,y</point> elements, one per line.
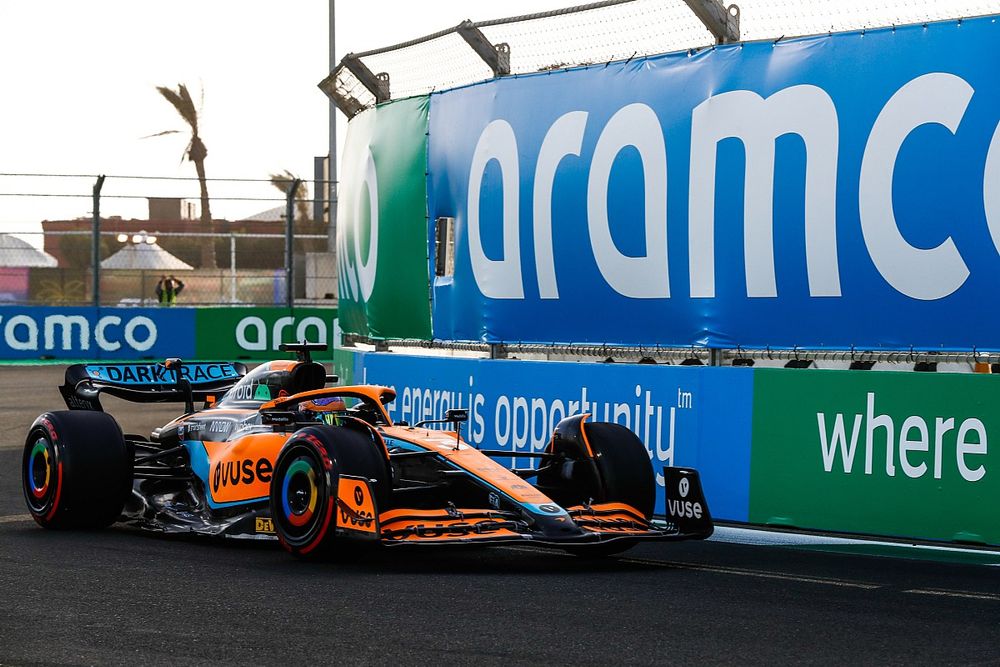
<point>76,471</point>
<point>303,492</point>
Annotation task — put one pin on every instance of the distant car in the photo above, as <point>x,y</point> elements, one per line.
<point>276,453</point>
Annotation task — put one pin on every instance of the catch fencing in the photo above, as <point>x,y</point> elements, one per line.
<point>603,32</point>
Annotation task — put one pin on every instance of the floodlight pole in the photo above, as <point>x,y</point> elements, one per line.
<point>95,243</point>
<point>331,173</point>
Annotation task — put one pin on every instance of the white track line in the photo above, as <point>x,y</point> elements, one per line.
<point>15,518</point>
<point>761,574</point>
<point>953,594</point>
<point>736,571</point>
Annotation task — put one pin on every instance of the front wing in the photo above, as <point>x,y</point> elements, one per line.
<point>687,517</point>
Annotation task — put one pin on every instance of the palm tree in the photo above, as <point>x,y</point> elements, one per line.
<point>196,152</point>
<point>284,183</point>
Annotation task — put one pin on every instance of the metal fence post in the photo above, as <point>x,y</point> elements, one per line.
<point>95,245</point>
<point>289,237</point>
<point>232,267</point>
<point>723,22</point>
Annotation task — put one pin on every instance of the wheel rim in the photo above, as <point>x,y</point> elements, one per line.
<point>40,475</point>
<point>300,498</point>
<point>299,493</point>
<point>40,469</point>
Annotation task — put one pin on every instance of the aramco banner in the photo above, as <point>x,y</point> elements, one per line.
<point>230,334</point>
<point>382,223</point>
<point>44,332</point>
<point>209,334</point>
<point>819,192</point>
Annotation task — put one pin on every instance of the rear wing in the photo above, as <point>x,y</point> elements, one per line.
<point>146,382</point>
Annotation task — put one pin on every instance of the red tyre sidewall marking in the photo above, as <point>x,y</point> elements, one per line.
<point>322,532</point>
<point>55,503</point>
<point>331,496</point>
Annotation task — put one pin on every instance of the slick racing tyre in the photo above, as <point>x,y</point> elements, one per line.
<point>601,463</point>
<point>76,471</point>
<point>304,486</point>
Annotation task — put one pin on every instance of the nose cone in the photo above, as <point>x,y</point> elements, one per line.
<point>552,522</point>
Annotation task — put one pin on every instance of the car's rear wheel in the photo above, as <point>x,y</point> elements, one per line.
<point>76,470</point>
<point>602,463</point>
<point>304,487</point>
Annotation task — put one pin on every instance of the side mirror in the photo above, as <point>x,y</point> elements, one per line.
<point>456,415</point>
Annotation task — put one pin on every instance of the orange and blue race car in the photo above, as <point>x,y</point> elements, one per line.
<point>276,453</point>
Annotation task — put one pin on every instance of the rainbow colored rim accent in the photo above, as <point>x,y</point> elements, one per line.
<point>299,473</point>
<point>39,455</point>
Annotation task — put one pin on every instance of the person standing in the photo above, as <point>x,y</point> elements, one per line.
<point>167,290</point>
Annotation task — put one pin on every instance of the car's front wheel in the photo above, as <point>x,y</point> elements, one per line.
<point>601,463</point>
<point>312,466</point>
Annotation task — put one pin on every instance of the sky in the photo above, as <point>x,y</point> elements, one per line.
<point>80,87</point>
<point>80,84</point>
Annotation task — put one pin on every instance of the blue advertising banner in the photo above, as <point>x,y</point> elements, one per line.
<point>819,192</point>
<point>514,405</point>
<point>96,333</point>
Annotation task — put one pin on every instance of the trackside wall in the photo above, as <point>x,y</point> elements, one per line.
<point>892,454</point>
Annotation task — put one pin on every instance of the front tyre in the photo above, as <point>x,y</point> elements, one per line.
<point>304,486</point>
<point>602,463</point>
<point>303,489</point>
<point>76,470</point>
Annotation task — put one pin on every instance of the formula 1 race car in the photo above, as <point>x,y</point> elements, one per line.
<point>276,453</point>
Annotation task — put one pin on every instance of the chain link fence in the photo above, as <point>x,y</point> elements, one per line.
<point>142,232</point>
<point>601,32</point>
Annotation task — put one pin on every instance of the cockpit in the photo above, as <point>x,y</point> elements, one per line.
<point>273,380</point>
<point>276,380</point>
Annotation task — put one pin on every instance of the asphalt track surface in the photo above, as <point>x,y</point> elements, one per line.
<point>120,597</point>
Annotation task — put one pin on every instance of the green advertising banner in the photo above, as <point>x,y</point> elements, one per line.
<point>255,333</point>
<point>344,364</point>
<point>384,284</point>
<point>899,454</point>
